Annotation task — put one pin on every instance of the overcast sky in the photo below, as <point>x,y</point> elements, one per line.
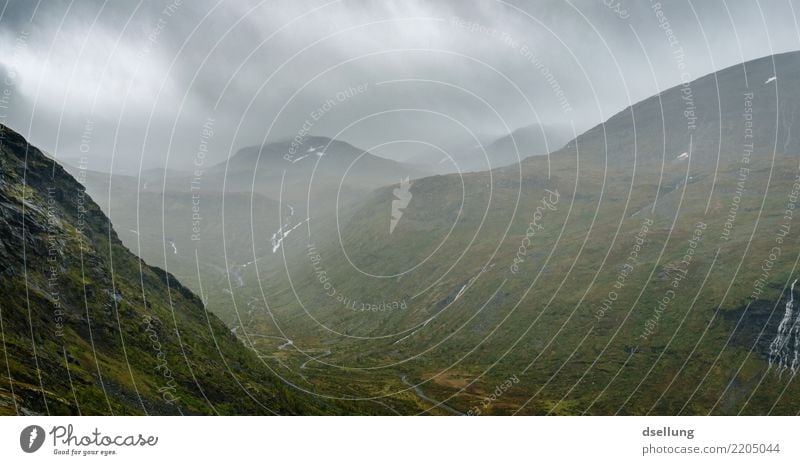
<point>139,81</point>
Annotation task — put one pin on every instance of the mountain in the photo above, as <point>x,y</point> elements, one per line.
<point>711,112</point>
<point>88,328</point>
<point>528,141</point>
<point>208,229</point>
<point>643,268</point>
<point>316,165</point>
<point>165,227</point>
<point>491,152</point>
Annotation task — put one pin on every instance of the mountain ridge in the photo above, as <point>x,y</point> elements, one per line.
<point>89,328</point>
<point>507,272</point>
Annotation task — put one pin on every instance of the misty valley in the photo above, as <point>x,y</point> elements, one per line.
<point>336,243</point>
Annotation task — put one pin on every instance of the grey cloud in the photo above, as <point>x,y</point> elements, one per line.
<point>146,69</point>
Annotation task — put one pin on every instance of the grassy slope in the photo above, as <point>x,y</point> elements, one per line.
<point>708,352</point>
<point>129,330</point>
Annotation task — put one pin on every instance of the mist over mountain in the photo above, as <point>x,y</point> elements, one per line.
<point>402,207</point>
<point>116,90</point>
<point>88,328</point>
<point>612,276</point>
<point>311,164</point>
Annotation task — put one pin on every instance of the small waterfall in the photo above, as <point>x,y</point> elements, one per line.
<point>783,352</point>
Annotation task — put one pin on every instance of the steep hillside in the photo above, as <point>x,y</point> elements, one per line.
<point>709,111</point>
<point>633,272</point>
<point>89,328</point>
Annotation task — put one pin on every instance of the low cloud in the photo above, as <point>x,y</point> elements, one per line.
<point>147,76</point>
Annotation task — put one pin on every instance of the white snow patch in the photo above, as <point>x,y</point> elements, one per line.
<point>461,292</point>
<point>683,156</point>
<point>283,233</point>
<point>772,79</point>
<point>784,351</point>
<point>299,158</point>
<point>469,284</point>
<point>416,330</point>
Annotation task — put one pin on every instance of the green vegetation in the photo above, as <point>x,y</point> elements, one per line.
<point>89,328</point>
<point>629,272</point>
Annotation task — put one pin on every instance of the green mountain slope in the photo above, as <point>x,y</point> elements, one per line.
<point>89,328</point>
<point>643,268</point>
